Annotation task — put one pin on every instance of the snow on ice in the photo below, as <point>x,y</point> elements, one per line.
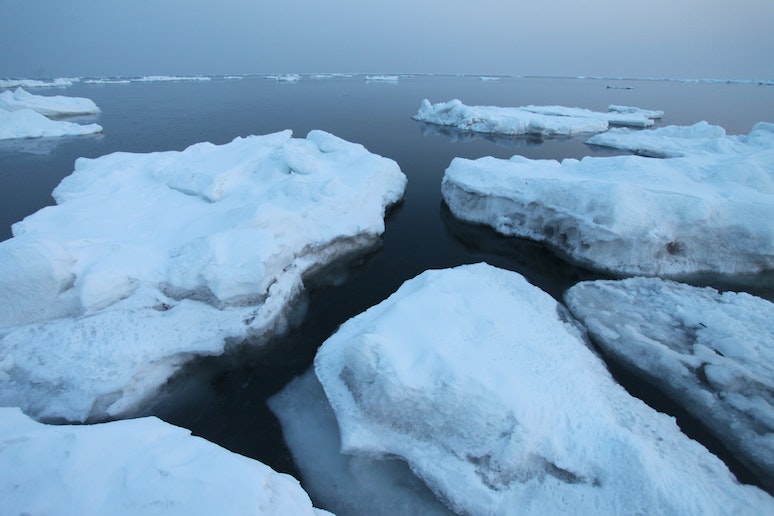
<point>150,259</point>
<point>138,466</point>
<point>486,387</point>
<point>51,106</point>
<point>531,120</point>
<point>344,484</point>
<point>702,212</point>
<point>711,352</point>
<point>27,123</point>
<point>61,82</point>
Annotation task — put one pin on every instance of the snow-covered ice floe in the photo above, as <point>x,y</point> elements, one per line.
<point>139,466</point>
<point>27,123</point>
<point>703,212</point>
<point>150,259</point>
<point>61,82</point>
<point>171,78</point>
<point>539,120</point>
<point>382,78</point>
<point>56,105</point>
<point>486,386</point>
<point>713,353</point>
<point>290,77</point>
<point>344,484</point>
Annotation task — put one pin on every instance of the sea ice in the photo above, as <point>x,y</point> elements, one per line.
<point>344,484</point>
<point>486,387</point>
<point>713,353</point>
<point>171,78</point>
<point>35,83</point>
<point>139,466</point>
<point>382,78</point>
<point>26,123</point>
<point>536,120</point>
<point>51,106</point>
<point>703,212</point>
<point>150,259</point>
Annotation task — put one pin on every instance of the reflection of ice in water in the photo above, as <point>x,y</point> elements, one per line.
<point>43,146</point>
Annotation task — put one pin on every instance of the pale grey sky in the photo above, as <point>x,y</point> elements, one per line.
<point>613,38</point>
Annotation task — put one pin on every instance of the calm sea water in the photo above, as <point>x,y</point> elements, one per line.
<point>223,399</point>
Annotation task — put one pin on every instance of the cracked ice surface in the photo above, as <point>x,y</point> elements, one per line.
<point>150,259</point>
<point>486,387</point>
<point>707,211</point>
<point>713,353</point>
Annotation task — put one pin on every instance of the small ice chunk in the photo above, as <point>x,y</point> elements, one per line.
<point>486,386</point>
<point>27,123</point>
<point>138,466</point>
<point>713,353</point>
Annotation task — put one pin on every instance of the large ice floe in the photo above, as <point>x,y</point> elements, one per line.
<point>706,211</point>
<point>531,120</point>
<point>713,353</point>
<point>139,466</point>
<point>486,386</point>
<point>48,105</point>
<point>27,123</point>
<point>150,259</point>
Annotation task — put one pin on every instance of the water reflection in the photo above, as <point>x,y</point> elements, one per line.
<point>43,146</point>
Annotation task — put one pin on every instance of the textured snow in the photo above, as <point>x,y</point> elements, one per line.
<point>703,212</point>
<point>55,105</point>
<point>535,120</point>
<point>713,353</point>
<point>26,123</point>
<point>140,466</point>
<point>486,387</point>
<point>345,484</point>
<point>150,259</point>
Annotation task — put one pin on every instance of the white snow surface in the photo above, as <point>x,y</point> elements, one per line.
<point>60,82</point>
<point>150,259</point>
<point>532,120</point>
<point>703,212</point>
<point>383,78</point>
<point>486,387</point>
<point>139,466</point>
<point>711,352</point>
<point>345,484</point>
<point>171,78</point>
<point>27,123</point>
<point>52,105</point>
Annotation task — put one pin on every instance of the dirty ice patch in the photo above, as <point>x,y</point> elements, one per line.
<point>138,466</point>
<point>703,212</point>
<point>486,386</point>
<point>150,259</point>
<point>713,353</point>
<point>529,120</point>
<point>27,123</point>
<point>48,105</point>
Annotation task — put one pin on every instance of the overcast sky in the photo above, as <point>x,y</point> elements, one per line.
<point>731,39</point>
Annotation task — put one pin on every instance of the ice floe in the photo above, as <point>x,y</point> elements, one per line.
<point>150,259</point>
<point>51,105</point>
<point>139,466</point>
<point>382,78</point>
<point>344,484</point>
<point>485,385</point>
<point>171,78</point>
<point>290,77</point>
<point>26,123</point>
<point>703,212</point>
<point>538,120</point>
<point>713,353</point>
<point>61,82</point>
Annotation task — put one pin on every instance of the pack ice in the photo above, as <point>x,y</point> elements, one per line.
<point>24,115</point>
<point>486,386</point>
<point>711,352</point>
<point>708,210</point>
<point>531,120</point>
<point>139,466</point>
<point>150,259</point>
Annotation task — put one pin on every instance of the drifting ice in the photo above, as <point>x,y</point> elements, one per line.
<point>486,387</point>
<point>56,105</point>
<point>26,123</point>
<point>100,302</point>
<point>703,212</point>
<point>532,120</point>
<point>713,353</point>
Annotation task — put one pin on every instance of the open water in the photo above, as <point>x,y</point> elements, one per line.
<point>223,399</point>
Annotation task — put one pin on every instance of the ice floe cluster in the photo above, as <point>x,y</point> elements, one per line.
<point>531,120</point>
<point>707,211</point>
<point>138,466</point>
<point>100,302</point>
<point>488,389</point>
<point>24,115</point>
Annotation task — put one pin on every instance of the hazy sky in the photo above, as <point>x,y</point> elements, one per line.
<point>613,38</point>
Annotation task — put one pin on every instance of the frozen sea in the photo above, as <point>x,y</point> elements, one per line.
<point>223,399</point>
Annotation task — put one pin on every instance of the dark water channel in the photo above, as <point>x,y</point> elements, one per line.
<point>223,399</point>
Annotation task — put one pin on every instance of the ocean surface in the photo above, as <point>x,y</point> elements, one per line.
<point>223,399</point>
